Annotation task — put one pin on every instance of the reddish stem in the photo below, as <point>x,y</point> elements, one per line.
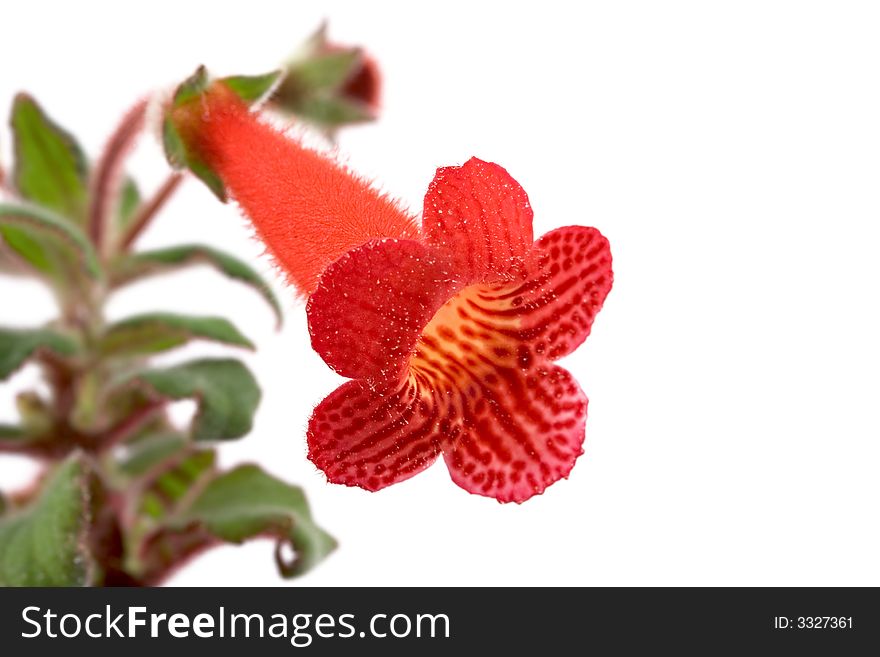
<point>149,209</point>
<point>109,171</point>
<point>130,425</point>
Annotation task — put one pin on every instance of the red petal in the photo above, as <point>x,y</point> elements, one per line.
<point>482,216</point>
<point>568,277</point>
<point>522,431</point>
<point>510,423</point>
<point>519,420</point>
<point>360,436</point>
<point>371,305</point>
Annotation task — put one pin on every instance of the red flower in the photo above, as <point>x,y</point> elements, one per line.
<point>451,341</point>
<point>450,333</point>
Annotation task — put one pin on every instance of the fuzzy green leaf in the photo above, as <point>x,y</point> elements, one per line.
<point>147,263</point>
<point>48,243</point>
<point>224,389</point>
<point>44,544</point>
<point>149,451</point>
<point>156,332</point>
<point>17,346</point>
<point>252,88</point>
<point>50,167</point>
<point>245,503</point>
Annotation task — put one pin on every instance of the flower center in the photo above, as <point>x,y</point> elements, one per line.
<point>472,334</point>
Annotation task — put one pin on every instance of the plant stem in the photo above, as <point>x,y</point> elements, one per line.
<point>149,210</point>
<point>128,426</point>
<point>109,171</point>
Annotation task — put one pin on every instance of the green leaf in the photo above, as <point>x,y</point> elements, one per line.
<point>44,544</point>
<point>245,503</point>
<point>326,71</point>
<point>37,418</point>
<point>14,438</point>
<point>175,149</point>
<point>33,435</point>
<point>147,263</point>
<point>50,167</point>
<point>252,88</point>
<point>12,432</point>
<point>17,346</point>
<point>176,483</point>
<point>208,176</point>
<point>248,502</point>
<point>180,158</point>
<point>149,451</point>
<point>226,392</point>
<point>48,243</point>
<point>129,203</point>
<point>333,112</point>
<point>156,332</point>
<point>192,87</point>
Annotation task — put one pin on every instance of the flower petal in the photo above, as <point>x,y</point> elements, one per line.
<point>521,432</point>
<point>370,306</point>
<point>372,438</point>
<point>516,421</point>
<point>568,277</point>
<point>481,216</point>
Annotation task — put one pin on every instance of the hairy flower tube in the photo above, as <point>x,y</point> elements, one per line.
<point>448,332</point>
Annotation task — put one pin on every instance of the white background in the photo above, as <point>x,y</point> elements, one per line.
<point>731,153</point>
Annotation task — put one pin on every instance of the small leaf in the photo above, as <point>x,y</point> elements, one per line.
<point>208,176</point>
<point>50,167</point>
<point>129,202</point>
<point>252,88</point>
<point>17,346</point>
<point>11,432</point>
<point>332,111</point>
<point>192,87</point>
<point>156,332</point>
<point>176,482</point>
<point>241,504</point>
<point>31,440</point>
<point>226,392</point>
<point>37,416</point>
<point>44,544</point>
<point>326,71</point>
<point>175,149</point>
<point>47,242</point>
<point>148,452</point>
<point>13,438</point>
<point>180,158</point>
<point>148,263</point>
